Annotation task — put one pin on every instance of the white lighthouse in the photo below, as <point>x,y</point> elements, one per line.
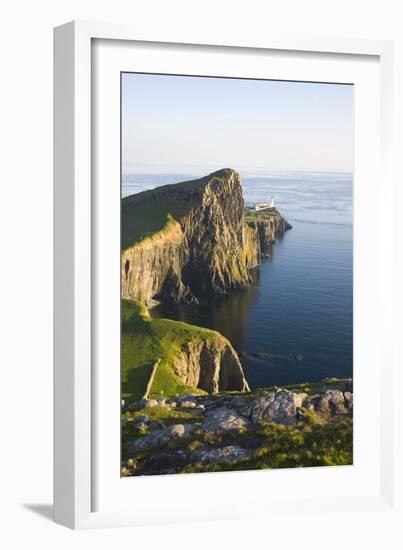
<point>264,205</point>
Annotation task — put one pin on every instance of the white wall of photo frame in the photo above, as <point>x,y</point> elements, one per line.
<point>26,107</point>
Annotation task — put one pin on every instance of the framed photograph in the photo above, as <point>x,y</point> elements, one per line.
<point>221,276</point>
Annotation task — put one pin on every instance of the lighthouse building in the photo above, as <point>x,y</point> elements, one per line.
<point>264,205</point>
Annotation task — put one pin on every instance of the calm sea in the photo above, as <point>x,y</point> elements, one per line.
<point>297,315</point>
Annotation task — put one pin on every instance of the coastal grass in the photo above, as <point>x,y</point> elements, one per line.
<point>145,341</point>
<point>305,444</point>
<point>144,221</point>
<point>169,417</point>
<point>146,213</point>
<point>165,414</point>
<point>310,442</point>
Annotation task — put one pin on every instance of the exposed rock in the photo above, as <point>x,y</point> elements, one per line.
<point>149,403</point>
<point>142,427</point>
<point>348,397</point>
<point>141,419</point>
<point>211,365</point>
<point>347,385</point>
<point>156,424</point>
<point>148,265</point>
<point>237,401</point>
<point>280,407</point>
<point>165,462</point>
<point>226,435</point>
<point>331,403</point>
<point>188,400</point>
<point>162,401</point>
<point>269,226</point>
<point>220,455</point>
<point>208,250</point>
<point>188,404</point>
<point>161,437</point>
<point>223,419</point>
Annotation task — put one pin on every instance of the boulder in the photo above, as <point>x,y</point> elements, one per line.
<point>188,404</point>
<point>142,419</point>
<point>222,419</point>
<point>164,462</point>
<point>348,397</point>
<point>220,455</point>
<point>280,407</point>
<point>187,400</point>
<point>331,403</point>
<point>161,437</point>
<point>142,428</point>
<point>237,402</point>
<point>149,403</point>
<point>155,424</point>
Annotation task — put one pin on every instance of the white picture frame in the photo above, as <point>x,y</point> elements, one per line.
<point>77,207</point>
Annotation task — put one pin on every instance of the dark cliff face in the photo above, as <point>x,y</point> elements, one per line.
<point>207,249</point>
<point>269,226</point>
<point>214,233</point>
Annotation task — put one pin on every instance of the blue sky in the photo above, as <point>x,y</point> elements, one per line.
<point>181,123</point>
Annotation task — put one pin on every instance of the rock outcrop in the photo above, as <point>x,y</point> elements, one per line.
<point>305,425</point>
<point>281,406</point>
<point>223,455</point>
<point>207,249</point>
<point>269,226</point>
<point>210,364</point>
<point>153,267</point>
<point>175,357</point>
<point>185,242</point>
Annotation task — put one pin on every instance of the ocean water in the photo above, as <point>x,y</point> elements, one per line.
<point>297,315</point>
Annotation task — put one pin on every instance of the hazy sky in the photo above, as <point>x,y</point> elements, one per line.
<point>181,123</point>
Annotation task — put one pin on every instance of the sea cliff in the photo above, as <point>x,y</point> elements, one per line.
<point>165,357</point>
<point>200,244</point>
<point>184,243</point>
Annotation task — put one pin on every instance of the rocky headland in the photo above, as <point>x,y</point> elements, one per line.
<point>186,242</point>
<point>186,404</point>
<point>204,243</point>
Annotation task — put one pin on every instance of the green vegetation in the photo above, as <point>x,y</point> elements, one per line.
<point>150,349</point>
<point>148,219</point>
<point>313,387</point>
<point>146,213</point>
<point>146,340</point>
<point>163,414</point>
<point>305,444</point>
<point>310,442</point>
<point>261,215</point>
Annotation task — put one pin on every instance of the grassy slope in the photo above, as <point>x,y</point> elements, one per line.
<point>148,219</point>
<point>305,444</point>
<point>144,341</point>
<point>142,220</point>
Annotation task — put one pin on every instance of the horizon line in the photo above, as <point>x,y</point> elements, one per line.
<point>193,170</point>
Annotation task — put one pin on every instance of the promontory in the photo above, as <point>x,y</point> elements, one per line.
<point>190,240</point>
<point>184,243</point>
